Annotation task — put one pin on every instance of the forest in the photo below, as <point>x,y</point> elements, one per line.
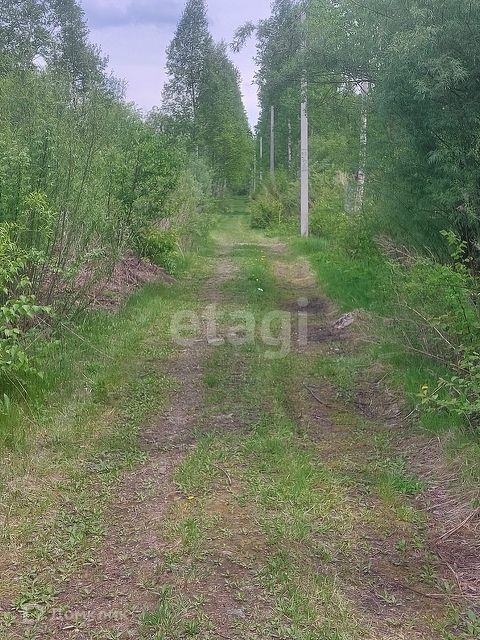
<point>216,421</point>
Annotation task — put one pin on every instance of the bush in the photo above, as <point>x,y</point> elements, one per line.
<point>17,312</point>
<point>460,394</point>
<point>190,205</point>
<point>328,212</point>
<point>276,204</point>
<point>161,247</point>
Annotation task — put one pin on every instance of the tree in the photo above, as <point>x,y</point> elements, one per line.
<point>72,52</point>
<point>279,40</point>
<point>226,136</point>
<point>202,100</point>
<point>24,32</point>
<point>186,60</point>
<point>420,61</point>
<point>53,32</point>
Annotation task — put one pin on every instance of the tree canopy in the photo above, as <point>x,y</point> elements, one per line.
<point>203,100</point>
<point>420,59</point>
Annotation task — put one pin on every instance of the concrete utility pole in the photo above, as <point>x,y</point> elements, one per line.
<point>362,171</point>
<point>272,140</point>
<point>304,168</point>
<point>261,159</point>
<point>289,143</point>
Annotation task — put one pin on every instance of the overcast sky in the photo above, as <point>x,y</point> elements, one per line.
<point>134,34</point>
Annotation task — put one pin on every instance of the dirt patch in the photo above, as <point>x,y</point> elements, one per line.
<point>296,275</point>
<point>320,334</point>
<point>123,580</point>
<point>272,247</point>
<point>453,522</point>
<point>314,307</point>
<point>225,270</point>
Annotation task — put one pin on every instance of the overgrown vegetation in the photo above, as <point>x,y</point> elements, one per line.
<point>276,495</point>
<point>85,178</point>
<point>394,172</point>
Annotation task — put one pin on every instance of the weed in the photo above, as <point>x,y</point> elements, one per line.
<point>173,617</point>
<point>195,475</point>
<point>35,598</point>
<point>393,478</point>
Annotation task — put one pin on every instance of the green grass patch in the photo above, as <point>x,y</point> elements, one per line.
<point>174,618</point>
<point>351,279</point>
<point>298,497</point>
<point>255,284</point>
<point>102,380</point>
<point>196,473</point>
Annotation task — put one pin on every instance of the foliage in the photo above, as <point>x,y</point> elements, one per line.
<point>274,202</point>
<point>84,176</point>
<point>278,43</point>
<point>191,204</point>
<point>186,64</point>
<point>202,101</point>
<point>53,31</point>
<point>422,172</point>
<point>226,133</point>
<point>161,247</point>
<point>423,127</point>
<point>92,174</point>
<point>419,64</point>
<point>18,309</point>
<point>459,394</point>
<point>459,326</point>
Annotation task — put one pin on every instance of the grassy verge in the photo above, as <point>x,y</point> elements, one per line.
<point>364,279</point>
<point>101,382</point>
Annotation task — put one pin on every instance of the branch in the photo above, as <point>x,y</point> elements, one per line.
<point>242,34</point>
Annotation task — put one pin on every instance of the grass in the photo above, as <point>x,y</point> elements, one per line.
<point>298,504</point>
<point>353,279</point>
<point>281,515</point>
<point>362,278</point>
<point>196,473</point>
<point>303,597</point>
<point>102,381</point>
<point>173,618</point>
<point>257,287</point>
<point>84,360</point>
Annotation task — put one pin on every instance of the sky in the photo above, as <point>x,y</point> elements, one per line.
<point>134,34</point>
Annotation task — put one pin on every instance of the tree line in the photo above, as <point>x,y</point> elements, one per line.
<point>418,59</point>
<point>202,99</point>
<point>85,176</point>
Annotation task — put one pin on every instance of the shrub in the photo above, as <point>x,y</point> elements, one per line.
<point>190,205</point>
<point>460,394</point>
<point>17,312</point>
<point>328,212</point>
<point>161,247</point>
<point>276,204</point>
